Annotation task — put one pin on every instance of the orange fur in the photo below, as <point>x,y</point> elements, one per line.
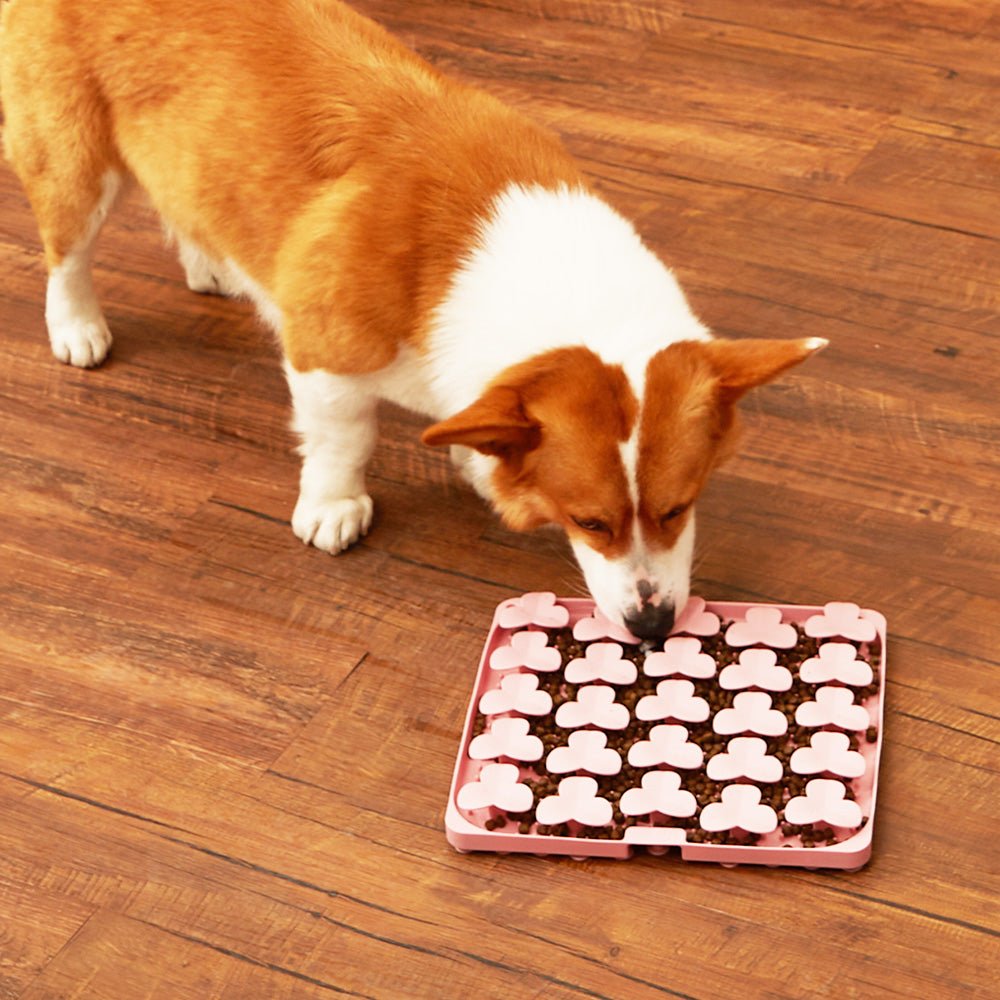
<point>342,183</point>
<point>320,107</point>
<point>557,423</point>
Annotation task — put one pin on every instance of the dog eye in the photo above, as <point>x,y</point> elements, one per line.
<point>591,524</point>
<point>674,512</point>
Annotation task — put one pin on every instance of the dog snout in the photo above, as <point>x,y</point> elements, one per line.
<point>650,621</point>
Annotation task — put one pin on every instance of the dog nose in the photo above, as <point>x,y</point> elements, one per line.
<point>650,621</point>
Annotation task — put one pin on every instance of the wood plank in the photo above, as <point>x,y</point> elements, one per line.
<point>224,757</point>
<point>114,957</point>
<point>293,908</point>
<point>36,925</point>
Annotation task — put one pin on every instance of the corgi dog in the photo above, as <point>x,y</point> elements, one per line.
<point>407,237</point>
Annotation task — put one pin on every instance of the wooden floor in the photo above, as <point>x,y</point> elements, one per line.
<point>224,758</point>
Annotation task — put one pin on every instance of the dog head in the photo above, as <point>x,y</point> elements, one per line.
<point>618,463</point>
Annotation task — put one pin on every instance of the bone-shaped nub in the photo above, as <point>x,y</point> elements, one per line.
<point>681,654</point>
<point>740,808</point>
<point>498,785</point>
<point>517,693</point>
<point>745,757</point>
<point>577,800</point>
<point>834,706</point>
<point>526,649</point>
<point>751,713</point>
<point>673,700</point>
<point>595,705</point>
<point>844,619</point>
<point>825,801</point>
<point>507,738</point>
<point>831,752</point>
<point>603,661</point>
<point>667,744</point>
<point>757,668</point>
<point>660,792</point>
<point>836,661</point>
<point>587,750</point>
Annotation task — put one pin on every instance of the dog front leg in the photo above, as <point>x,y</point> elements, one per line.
<point>336,421</point>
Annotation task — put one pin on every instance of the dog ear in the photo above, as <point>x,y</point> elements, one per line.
<point>743,364</point>
<point>494,424</point>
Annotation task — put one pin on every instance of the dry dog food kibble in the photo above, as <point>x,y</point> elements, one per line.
<point>752,733</point>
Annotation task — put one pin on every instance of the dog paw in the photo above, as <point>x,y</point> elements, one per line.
<point>205,283</point>
<point>332,525</point>
<point>203,274</point>
<point>81,343</point>
<point>210,280</point>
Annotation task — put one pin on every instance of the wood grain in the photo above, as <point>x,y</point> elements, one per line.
<point>224,758</point>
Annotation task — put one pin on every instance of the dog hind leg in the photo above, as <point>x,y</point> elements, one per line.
<point>203,273</point>
<point>58,140</point>
<point>78,331</point>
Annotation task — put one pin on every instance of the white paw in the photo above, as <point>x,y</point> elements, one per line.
<point>204,275</point>
<point>209,281</point>
<point>82,343</point>
<point>332,525</point>
<point>205,284</point>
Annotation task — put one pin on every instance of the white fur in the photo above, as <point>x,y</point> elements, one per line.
<point>554,268</point>
<point>614,583</point>
<point>549,269</point>
<point>238,282</point>
<point>77,329</point>
<point>207,275</point>
<point>204,274</point>
<point>335,417</point>
<point>557,269</point>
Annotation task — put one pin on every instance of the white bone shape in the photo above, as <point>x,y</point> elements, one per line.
<point>756,668</point>
<point>576,800</point>
<point>836,662</point>
<point>745,757</point>
<point>740,807</point>
<point>681,654</point>
<point>824,802</point>
<point>751,713</point>
<point>603,661</point>
<point>537,608</point>
<point>660,792</point>
<point>673,700</point>
<point>599,626</point>
<point>834,706</point>
<point>844,619</point>
<point>587,751</point>
<point>517,693</point>
<point>507,738</point>
<point>695,620</point>
<point>526,649</point>
<point>667,744</point>
<point>828,752</point>
<point>762,625</point>
<point>497,785</point>
<point>595,705</point>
